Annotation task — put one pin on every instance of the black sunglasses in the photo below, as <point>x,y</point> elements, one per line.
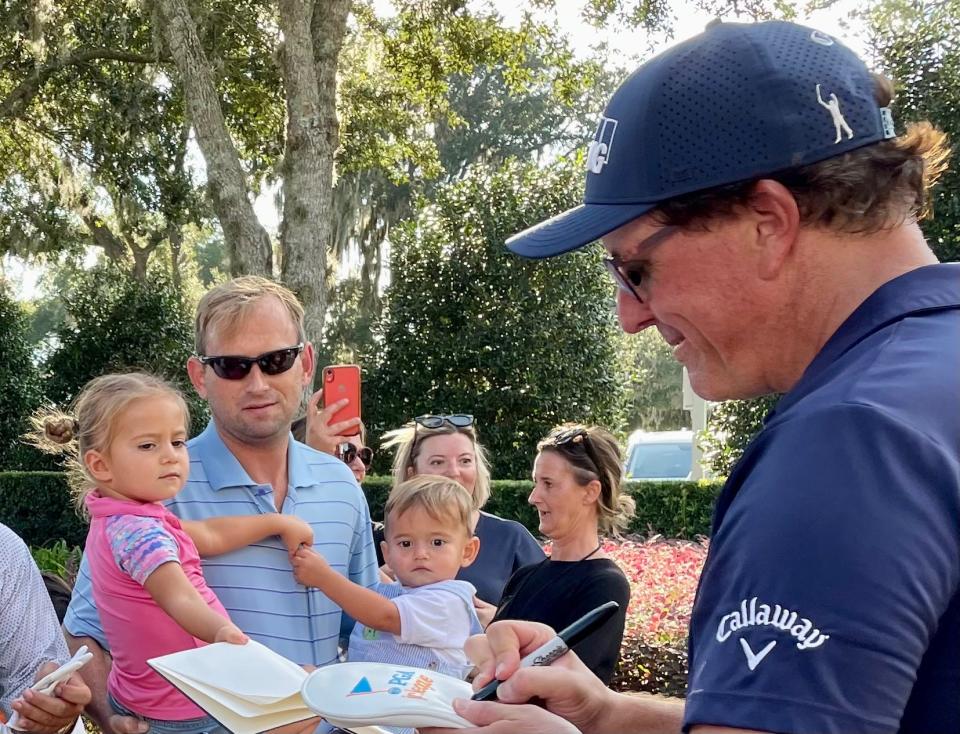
<point>627,275</point>
<point>457,420</point>
<point>577,438</point>
<point>347,452</point>
<point>630,274</point>
<point>271,363</point>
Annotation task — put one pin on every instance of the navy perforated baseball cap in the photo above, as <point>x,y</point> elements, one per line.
<point>738,102</point>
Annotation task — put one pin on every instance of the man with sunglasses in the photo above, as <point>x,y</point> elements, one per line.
<point>776,255</point>
<point>252,365</point>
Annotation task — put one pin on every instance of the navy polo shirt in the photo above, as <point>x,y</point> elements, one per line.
<point>828,601</point>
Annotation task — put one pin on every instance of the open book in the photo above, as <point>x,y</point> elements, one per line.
<point>247,688</point>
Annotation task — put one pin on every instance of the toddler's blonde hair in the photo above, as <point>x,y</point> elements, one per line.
<point>442,498</point>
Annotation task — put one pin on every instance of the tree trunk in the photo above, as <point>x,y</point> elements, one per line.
<point>141,256</point>
<point>175,238</point>
<point>313,35</point>
<point>247,241</point>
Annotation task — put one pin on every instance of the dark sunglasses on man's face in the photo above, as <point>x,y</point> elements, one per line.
<point>270,363</point>
<point>630,274</point>
<point>627,275</point>
<point>457,420</point>
<point>347,452</point>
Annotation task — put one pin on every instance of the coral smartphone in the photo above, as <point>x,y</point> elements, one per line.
<point>343,381</point>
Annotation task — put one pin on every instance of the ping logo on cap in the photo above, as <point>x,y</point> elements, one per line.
<point>599,152</point>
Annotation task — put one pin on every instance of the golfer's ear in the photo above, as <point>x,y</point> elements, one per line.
<point>777,218</point>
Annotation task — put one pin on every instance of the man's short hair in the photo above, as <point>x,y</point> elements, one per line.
<point>224,305</point>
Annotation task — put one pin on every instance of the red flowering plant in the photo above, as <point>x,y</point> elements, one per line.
<point>663,577</point>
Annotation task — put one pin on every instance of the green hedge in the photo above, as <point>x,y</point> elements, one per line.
<point>670,509</point>
<point>37,506</point>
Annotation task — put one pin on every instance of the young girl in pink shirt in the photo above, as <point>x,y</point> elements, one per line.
<point>127,454</point>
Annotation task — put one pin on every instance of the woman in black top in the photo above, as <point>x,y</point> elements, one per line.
<point>576,489</point>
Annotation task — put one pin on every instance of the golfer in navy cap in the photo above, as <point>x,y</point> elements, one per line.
<point>759,208</point>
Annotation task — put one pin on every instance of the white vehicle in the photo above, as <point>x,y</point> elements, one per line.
<point>659,455</point>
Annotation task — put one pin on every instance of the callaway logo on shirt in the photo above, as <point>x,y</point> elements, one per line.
<point>752,614</point>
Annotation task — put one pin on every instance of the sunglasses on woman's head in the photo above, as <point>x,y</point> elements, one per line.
<point>271,363</point>
<point>457,420</point>
<point>574,438</point>
<point>347,452</point>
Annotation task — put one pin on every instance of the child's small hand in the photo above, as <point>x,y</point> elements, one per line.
<point>294,533</point>
<point>232,634</point>
<point>308,565</point>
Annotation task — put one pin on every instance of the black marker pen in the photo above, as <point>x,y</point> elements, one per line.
<point>559,645</point>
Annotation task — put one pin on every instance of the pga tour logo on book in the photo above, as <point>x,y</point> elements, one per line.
<point>406,683</point>
<point>599,151</point>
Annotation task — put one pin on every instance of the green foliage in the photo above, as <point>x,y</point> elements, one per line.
<point>674,509</point>
<point>655,383</point>
<point>655,15</point>
<point>508,498</point>
<point>423,96</point>
<point>118,323</point>
<point>37,506</point>
<point>20,394</point>
<point>376,488</point>
<point>730,427</point>
<point>348,335</point>
<point>440,86</point>
<point>918,46</point>
<point>97,145</point>
<point>470,327</point>
<point>57,558</point>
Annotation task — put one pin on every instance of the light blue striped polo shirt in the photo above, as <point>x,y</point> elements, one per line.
<point>256,584</point>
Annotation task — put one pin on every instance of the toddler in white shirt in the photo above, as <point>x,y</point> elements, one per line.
<point>424,618</point>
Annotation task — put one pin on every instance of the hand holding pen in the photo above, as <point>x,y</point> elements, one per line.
<point>554,648</point>
<point>571,696</point>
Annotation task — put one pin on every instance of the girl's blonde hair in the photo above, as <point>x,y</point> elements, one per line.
<point>441,497</point>
<point>408,441</point>
<point>594,454</point>
<point>91,422</point>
